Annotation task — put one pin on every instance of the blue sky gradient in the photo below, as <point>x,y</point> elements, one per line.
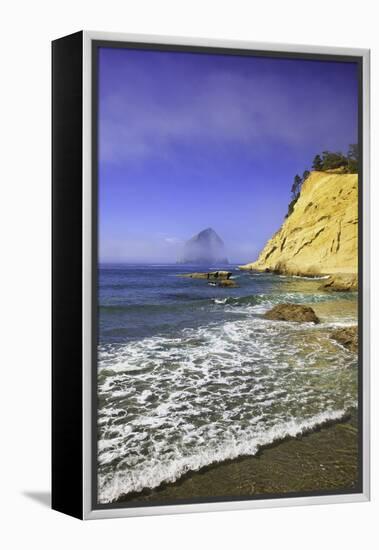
<point>193,140</point>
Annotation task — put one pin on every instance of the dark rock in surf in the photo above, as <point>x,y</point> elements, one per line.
<point>214,278</point>
<point>292,312</point>
<point>211,275</point>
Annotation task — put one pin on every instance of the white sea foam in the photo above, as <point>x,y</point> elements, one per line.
<point>310,278</point>
<point>348,322</point>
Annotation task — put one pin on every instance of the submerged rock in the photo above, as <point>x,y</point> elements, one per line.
<point>227,283</point>
<point>292,312</point>
<point>341,282</point>
<point>347,337</point>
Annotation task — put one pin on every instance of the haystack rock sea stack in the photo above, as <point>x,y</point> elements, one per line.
<point>320,236</point>
<point>204,248</point>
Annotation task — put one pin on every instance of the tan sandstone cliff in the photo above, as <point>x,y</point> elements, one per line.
<point>321,234</point>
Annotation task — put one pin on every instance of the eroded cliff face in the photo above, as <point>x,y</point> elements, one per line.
<point>321,234</point>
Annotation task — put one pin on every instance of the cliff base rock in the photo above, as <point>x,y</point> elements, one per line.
<point>341,282</point>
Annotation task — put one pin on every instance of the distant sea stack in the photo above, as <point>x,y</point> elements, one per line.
<point>320,236</point>
<point>204,248</point>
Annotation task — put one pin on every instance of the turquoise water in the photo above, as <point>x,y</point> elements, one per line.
<point>191,374</point>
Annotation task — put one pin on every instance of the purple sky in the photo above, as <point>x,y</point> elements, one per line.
<point>191,140</point>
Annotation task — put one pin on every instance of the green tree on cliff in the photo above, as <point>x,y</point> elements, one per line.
<point>332,161</point>
<point>317,163</point>
<point>353,158</point>
<point>295,193</point>
<point>295,189</point>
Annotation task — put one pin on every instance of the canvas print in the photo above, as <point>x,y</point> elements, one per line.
<point>227,362</point>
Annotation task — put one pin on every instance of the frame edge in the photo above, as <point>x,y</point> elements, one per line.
<point>364,496</point>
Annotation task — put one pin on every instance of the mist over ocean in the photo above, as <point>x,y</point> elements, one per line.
<point>191,374</point>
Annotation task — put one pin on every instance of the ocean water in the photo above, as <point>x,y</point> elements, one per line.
<point>190,374</point>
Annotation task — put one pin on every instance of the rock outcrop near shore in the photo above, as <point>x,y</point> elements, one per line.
<point>320,236</point>
<point>292,312</point>
<point>211,275</point>
<point>215,278</point>
<point>342,282</point>
<point>347,337</point>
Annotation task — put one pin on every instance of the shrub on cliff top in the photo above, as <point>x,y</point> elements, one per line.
<point>334,160</point>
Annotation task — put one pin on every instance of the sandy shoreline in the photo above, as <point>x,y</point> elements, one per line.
<point>322,460</point>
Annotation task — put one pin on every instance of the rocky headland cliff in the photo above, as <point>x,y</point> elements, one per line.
<point>320,236</point>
